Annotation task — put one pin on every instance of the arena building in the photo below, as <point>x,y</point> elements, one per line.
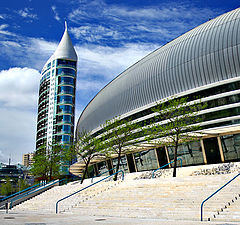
<point>203,62</point>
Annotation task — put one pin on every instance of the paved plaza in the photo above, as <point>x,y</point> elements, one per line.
<point>70,219</point>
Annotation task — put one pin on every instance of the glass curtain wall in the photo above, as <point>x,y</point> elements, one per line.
<point>146,160</point>
<point>190,153</point>
<point>231,147</point>
<point>123,164</point>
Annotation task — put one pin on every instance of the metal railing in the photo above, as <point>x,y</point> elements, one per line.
<point>32,192</point>
<point>216,193</point>
<point>87,187</point>
<point>102,173</point>
<point>165,166</point>
<point>19,192</point>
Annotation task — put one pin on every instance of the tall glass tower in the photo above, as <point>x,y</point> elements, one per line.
<point>56,104</point>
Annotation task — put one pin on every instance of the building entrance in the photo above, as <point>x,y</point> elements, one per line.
<point>161,156</point>
<point>131,165</point>
<point>212,150</point>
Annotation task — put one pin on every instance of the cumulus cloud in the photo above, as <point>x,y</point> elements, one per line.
<point>18,111</point>
<point>18,130</point>
<point>18,87</point>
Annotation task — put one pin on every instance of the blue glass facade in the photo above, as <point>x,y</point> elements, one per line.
<point>56,105</point>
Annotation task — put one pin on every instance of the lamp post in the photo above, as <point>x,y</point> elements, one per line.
<point>19,177</point>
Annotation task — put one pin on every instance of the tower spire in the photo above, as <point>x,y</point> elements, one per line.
<point>65,25</point>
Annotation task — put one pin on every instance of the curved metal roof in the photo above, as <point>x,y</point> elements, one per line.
<point>207,54</point>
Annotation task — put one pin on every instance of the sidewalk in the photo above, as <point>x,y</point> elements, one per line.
<point>74,219</point>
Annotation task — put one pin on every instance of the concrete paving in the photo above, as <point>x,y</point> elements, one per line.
<point>70,219</point>
<point>165,201</point>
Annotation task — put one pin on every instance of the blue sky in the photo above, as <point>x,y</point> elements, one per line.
<point>108,35</point>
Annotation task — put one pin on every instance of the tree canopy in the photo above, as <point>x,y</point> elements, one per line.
<point>47,161</point>
<point>87,147</point>
<point>118,133</point>
<point>176,121</point>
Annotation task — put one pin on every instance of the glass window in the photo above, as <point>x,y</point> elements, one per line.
<point>62,71</point>
<point>62,62</point>
<point>66,80</point>
<point>66,138</point>
<point>146,160</point>
<point>64,109</point>
<point>66,89</point>
<point>231,147</point>
<point>221,114</point>
<point>190,153</point>
<point>102,168</point>
<point>64,118</point>
<point>63,138</point>
<point>123,163</point>
<point>65,99</point>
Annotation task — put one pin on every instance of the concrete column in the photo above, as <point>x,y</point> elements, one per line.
<point>158,163</point>
<point>127,163</point>
<point>220,149</point>
<point>203,151</point>
<point>135,163</point>
<point>167,156</point>
<point>96,169</point>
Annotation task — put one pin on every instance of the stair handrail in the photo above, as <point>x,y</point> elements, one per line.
<point>165,166</point>
<point>33,191</point>
<point>102,174</point>
<point>219,189</point>
<point>19,192</point>
<point>87,187</point>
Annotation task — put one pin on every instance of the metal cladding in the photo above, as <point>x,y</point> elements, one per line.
<point>206,54</point>
<point>65,49</point>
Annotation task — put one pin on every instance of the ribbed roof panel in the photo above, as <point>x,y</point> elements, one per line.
<point>207,54</point>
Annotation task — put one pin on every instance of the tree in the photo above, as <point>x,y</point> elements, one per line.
<point>47,162</point>
<point>175,122</point>
<point>87,147</point>
<point>69,154</point>
<point>22,184</point>
<point>118,133</point>
<point>6,188</point>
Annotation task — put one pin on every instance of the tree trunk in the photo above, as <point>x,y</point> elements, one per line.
<point>50,175</point>
<point>118,165</point>
<point>175,160</point>
<point>85,171</point>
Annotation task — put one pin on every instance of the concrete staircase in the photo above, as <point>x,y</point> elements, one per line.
<point>169,198</point>
<point>163,197</point>
<point>46,202</point>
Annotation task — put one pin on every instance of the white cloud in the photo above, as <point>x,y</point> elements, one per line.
<point>5,32</point>
<point>110,61</point>
<point>26,13</point>
<point>56,16</point>
<point>18,87</point>
<point>129,24</point>
<point>95,32</point>
<point>89,85</point>
<point>3,156</point>
<point>18,111</point>
<point>17,132</point>
<point>31,52</point>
